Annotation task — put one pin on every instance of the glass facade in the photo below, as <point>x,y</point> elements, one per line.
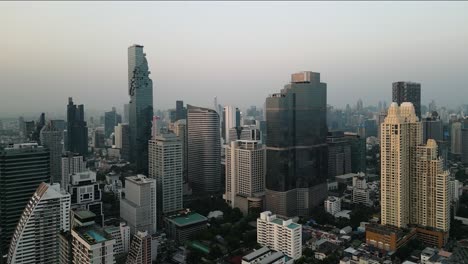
<point>297,135</point>
<point>141,107</point>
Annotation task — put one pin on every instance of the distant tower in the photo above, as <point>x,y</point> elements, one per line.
<point>456,138</point>
<point>36,236</point>
<point>77,131</point>
<point>231,120</point>
<point>110,121</point>
<point>140,88</point>
<point>181,131</point>
<point>52,138</point>
<point>122,140</point>
<point>204,150</point>
<point>408,92</point>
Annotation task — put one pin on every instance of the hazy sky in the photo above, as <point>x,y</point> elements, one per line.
<point>238,51</point>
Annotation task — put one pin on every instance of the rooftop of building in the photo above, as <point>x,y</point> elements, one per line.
<point>84,214</point>
<point>256,254</point>
<point>92,234</point>
<point>280,222</point>
<point>139,179</point>
<point>189,218</point>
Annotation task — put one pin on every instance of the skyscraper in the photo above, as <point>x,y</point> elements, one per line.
<point>180,129</point>
<point>231,119</point>
<point>138,208</point>
<point>140,89</point>
<point>245,175</point>
<point>165,166</point>
<point>297,146</point>
<point>181,111</point>
<point>430,201</point>
<point>203,150</point>
<point>407,92</point>
<point>456,138</point>
<point>77,131</point>
<point>432,128</point>
<point>35,239</point>
<point>401,134</point>
<point>51,138</point>
<point>22,168</point>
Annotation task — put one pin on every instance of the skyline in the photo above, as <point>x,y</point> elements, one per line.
<point>188,49</point>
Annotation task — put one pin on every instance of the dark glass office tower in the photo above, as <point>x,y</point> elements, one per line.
<point>297,146</point>
<point>407,92</point>
<point>181,111</point>
<point>77,131</point>
<point>22,168</point>
<point>140,88</point>
<point>111,119</point>
<point>203,150</point>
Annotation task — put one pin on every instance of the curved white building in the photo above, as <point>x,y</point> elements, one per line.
<point>36,236</point>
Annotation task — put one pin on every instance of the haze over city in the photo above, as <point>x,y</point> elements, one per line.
<point>238,51</point>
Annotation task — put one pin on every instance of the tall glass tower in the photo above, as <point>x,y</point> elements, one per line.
<point>140,89</point>
<point>297,146</point>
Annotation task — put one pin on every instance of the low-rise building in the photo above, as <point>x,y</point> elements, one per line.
<point>265,255</point>
<point>182,226</point>
<point>280,235</point>
<point>332,205</point>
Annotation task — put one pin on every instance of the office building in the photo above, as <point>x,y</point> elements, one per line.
<point>203,150</point>
<point>77,130</point>
<point>456,138</point>
<point>51,138</point>
<point>165,166</point>
<point>140,89</point>
<point>407,92</point>
<point>432,128</point>
<point>430,202</point>
<point>181,111</point>
<point>138,207</point>
<point>23,168</point>
<point>180,129</point>
<point>332,205</point>
<point>98,138</point>
<point>35,239</point>
<point>401,134</point>
<point>182,226</point>
<point>59,124</point>
<point>111,119</point>
<point>297,146</point>
<point>122,140</point>
<point>231,119</point>
<point>140,249</point>
<point>339,154</point>
<point>280,235</point>
<point>245,175</point>
<point>90,243</point>
<point>126,114</point>
<point>86,194</point>
<point>370,128</point>
<point>71,163</point>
